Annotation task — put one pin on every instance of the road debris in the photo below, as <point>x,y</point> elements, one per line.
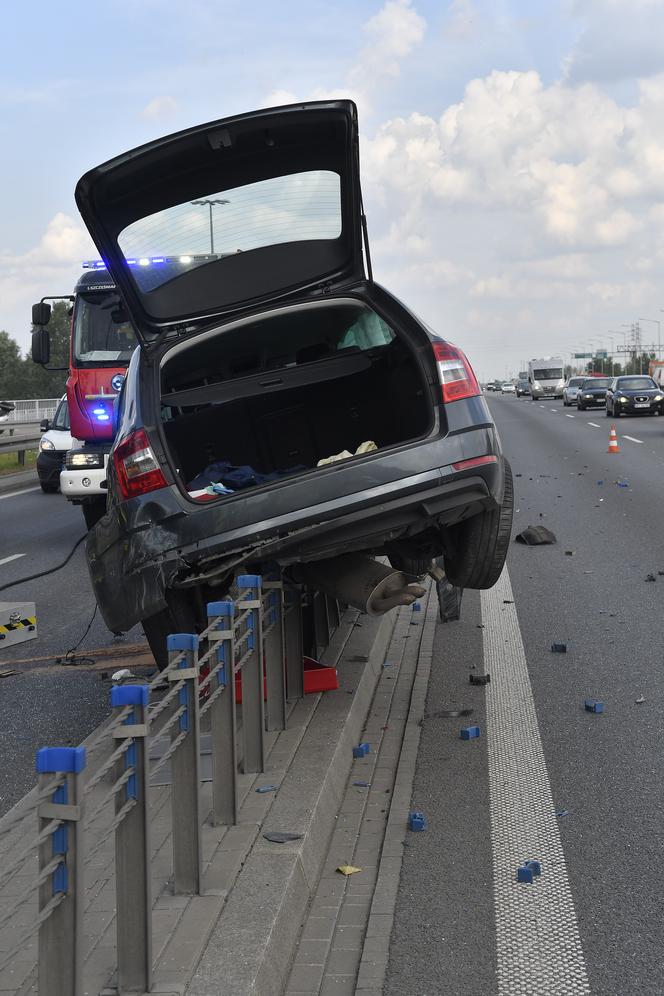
<point>570,553</point>
<point>448,713</point>
<point>122,675</point>
<point>266,788</point>
<point>536,536</point>
<point>479,679</point>
<point>640,700</point>
<point>281,837</point>
<point>348,870</point>
<point>360,783</point>
<point>558,648</point>
<point>562,812</point>
<point>650,577</point>
<point>469,732</point>
<point>592,705</point>
<point>417,820</point>
<point>7,674</point>
<point>361,750</point>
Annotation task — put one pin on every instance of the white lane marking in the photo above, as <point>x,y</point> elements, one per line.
<point>632,439</point>
<point>553,410</point>
<point>14,556</point>
<point>14,494</point>
<point>542,406</point>
<point>537,933</point>
<point>569,416</point>
<point>595,425</point>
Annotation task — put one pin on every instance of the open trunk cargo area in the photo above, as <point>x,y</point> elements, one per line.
<point>264,399</point>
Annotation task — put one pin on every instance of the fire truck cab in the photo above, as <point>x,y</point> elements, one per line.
<point>101,344</point>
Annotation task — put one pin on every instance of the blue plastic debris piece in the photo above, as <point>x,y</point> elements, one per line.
<point>417,607</point>
<point>600,483</point>
<point>524,874</point>
<point>361,750</point>
<point>266,788</point>
<point>469,732</point>
<point>562,812</point>
<point>362,784</point>
<point>387,663</point>
<point>417,820</point>
<point>535,867</point>
<point>558,648</point>
<point>592,705</point>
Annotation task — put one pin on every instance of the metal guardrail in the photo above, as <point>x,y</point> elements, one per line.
<point>255,636</point>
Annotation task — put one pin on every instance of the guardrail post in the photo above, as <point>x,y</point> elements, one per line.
<point>253,711</point>
<point>275,672</point>
<point>185,769</point>
<point>333,613</point>
<point>294,643</point>
<point>61,934</point>
<point>223,722</point>
<point>133,884</point>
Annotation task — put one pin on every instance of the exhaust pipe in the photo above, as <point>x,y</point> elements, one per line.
<point>361,582</point>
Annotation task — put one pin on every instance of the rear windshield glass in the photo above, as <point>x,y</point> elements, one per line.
<point>549,373</point>
<point>295,208</point>
<point>636,384</point>
<point>576,382</point>
<point>597,382</point>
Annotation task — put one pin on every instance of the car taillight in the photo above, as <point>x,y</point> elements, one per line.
<point>474,462</point>
<point>136,466</point>
<point>457,379</point>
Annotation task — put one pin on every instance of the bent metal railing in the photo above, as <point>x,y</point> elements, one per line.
<point>251,647</point>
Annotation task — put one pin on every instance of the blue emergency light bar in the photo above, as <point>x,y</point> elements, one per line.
<point>99,264</point>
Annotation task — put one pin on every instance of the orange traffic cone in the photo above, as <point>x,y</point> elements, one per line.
<point>613,441</point>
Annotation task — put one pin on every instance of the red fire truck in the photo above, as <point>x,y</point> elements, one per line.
<point>101,345</point>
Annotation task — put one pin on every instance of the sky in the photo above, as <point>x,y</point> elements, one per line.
<point>512,151</point>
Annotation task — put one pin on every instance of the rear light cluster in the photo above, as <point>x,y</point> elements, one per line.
<point>457,379</point>
<point>136,466</point>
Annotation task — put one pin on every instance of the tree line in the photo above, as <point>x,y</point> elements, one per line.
<point>20,377</point>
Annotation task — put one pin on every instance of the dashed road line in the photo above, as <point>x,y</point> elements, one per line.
<point>8,560</point>
<point>569,416</point>
<point>537,933</point>
<point>554,410</point>
<point>632,439</point>
<point>595,425</point>
<point>542,406</point>
<point>15,494</point>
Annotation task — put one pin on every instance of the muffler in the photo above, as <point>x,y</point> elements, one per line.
<point>361,582</point>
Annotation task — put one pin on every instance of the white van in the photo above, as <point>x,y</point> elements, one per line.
<point>545,377</point>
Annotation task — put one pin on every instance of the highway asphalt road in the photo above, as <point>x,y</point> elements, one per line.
<point>593,922</point>
<point>46,704</point>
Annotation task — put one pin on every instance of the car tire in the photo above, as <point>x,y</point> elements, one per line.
<point>615,412</point>
<point>607,412</point>
<point>179,617</point>
<point>49,489</point>
<point>580,407</point>
<point>479,544</point>
<point>93,511</point>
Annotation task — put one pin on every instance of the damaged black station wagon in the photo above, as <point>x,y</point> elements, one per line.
<point>282,406</point>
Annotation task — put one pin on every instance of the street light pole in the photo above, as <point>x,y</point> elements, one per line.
<point>657,323</point>
<point>209,203</point>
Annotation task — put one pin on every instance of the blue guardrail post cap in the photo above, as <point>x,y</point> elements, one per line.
<point>249,580</point>
<point>182,641</point>
<point>220,609</point>
<point>55,759</point>
<point>125,695</point>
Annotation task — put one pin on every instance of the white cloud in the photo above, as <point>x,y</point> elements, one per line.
<point>160,107</point>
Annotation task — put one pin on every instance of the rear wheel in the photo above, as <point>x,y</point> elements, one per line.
<point>49,489</point>
<point>580,407</point>
<point>179,617</point>
<point>607,412</point>
<point>615,412</point>
<point>93,511</point>
<point>479,544</point>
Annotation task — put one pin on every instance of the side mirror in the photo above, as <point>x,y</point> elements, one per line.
<point>41,346</point>
<point>44,425</point>
<point>41,313</point>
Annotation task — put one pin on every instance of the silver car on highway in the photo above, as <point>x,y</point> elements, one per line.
<point>571,390</point>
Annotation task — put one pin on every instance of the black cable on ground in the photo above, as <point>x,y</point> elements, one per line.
<point>70,658</point>
<point>51,570</point>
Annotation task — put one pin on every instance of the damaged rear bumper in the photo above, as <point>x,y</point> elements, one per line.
<point>146,546</point>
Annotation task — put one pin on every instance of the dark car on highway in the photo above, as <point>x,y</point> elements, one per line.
<point>282,406</point>
<point>592,393</point>
<point>634,394</point>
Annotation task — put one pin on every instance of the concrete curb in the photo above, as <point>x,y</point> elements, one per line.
<point>252,944</point>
